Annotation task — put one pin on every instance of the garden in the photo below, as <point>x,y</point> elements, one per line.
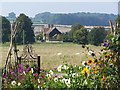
<point>98,71</point>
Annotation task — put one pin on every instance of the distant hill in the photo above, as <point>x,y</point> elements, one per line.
<point>92,19</point>
<point>72,18</point>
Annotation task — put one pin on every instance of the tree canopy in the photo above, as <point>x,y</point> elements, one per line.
<point>80,36</point>
<point>4,30</point>
<point>96,36</point>
<point>25,32</point>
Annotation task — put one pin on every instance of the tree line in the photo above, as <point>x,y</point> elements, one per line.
<point>92,19</point>
<point>80,35</point>
<point>25,34</point>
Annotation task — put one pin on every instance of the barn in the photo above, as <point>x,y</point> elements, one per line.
<point>53,34</point>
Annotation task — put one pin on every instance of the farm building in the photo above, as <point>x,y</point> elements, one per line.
<point>50,32</point>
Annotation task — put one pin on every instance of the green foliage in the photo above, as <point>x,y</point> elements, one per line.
<point>4,30</point>
<point>96,36</point>
<point>25,32</point>
<point>39,37</point>
<point>74,28</point>
<point>80,36</point>
<point>66,37</point>
<point>72,18</point>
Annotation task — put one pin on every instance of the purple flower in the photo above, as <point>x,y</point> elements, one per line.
<point>41,77</point>
<point>20,70</point>
<point>28,69</point>
<point>20,65</point>
<point>35,75</point>
<point>36,69</point>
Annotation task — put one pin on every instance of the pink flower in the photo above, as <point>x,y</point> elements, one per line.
<point>28,69</point>
<point>35,75</point>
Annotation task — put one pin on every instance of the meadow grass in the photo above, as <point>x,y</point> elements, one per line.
<point>52,55</point>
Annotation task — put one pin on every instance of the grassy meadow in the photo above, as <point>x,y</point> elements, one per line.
<point>52,55</point>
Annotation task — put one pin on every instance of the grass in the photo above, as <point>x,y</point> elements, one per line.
<point>70,53</point>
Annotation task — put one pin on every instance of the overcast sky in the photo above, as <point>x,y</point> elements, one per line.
<point>32,8</point>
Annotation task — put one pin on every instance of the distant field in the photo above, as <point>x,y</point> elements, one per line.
<point>53,55</point>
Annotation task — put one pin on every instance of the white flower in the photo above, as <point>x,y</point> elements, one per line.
<point>74,74</point>
<point>19,84</point>
<point>90,52</point>
<point>59,68</point>
<point>48,75</point>
<point>55,79</point>
<point>32,70</point>
<point>67,82</point>
<point>38,87</point>
<point>84,63</point>
<point>38,80</point>
<point>13,83</point>
<point>24,72</point>
<point>65,67</point>
<point>51,72</point>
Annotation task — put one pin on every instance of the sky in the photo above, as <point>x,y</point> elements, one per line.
<point>33,8</point>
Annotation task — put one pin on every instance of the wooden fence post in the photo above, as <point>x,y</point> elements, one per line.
<point>38,61</point>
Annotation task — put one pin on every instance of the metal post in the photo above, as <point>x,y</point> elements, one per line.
<point>38,61</point>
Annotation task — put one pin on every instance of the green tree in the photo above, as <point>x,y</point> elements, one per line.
<point>39,37</point>
<point>80,36</point>
<point>25,32</point>
<point>5,30</point>
<point>74,28</point>
<point>66,37</point>
<point>96,36</point>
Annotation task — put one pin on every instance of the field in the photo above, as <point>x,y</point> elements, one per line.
<point>52,55</point>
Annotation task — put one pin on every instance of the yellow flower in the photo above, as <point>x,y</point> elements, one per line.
<point>85,71</point>
<point>90,61</point>
<point>107,56</point>
<point>104,78</point>
<point>96,70</point>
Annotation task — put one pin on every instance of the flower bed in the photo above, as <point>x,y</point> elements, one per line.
<point>97,72</point>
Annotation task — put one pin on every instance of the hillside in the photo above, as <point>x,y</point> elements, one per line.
<point>72,18</point>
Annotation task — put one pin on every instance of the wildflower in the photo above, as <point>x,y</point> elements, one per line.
<point>85,71</point>
<point>48,75</point>
<point>32,70</point>
<point>65,67</point>
<point>95,61</point>
<point>107,56</point>
<point>28,69</point>
<point>35,75</point>
<point>90,61</point>
<point>96,70</point>
<point>38,80</point>
<point>90,52</point>
<point>13,83</point>
<point>51,72</point>
<point>67,82</point>
<point>19,84</point>
<point>59,68</point>
<point>38,87</point>
<point>20,70</point>
<point>55,79</point>
<point>24,72</point>
<point>84,63</point>
<point>104,78</point>
<point>74,74</point>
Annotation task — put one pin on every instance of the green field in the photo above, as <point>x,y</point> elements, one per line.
<point>53,55</point>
